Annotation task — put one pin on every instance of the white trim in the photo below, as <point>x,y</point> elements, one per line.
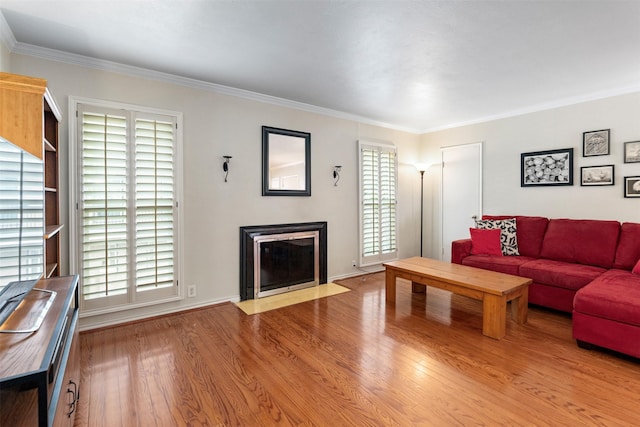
<point>85,61</point>
<point>480,146</point>
<point>376,259</point>
<point>74,196</point>
<point>100,64</point>
<point>559,103</point>
<point>6,35</point>
<point>87,326</point>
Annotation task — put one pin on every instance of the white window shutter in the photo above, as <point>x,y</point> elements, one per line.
<point>154,202</point>
<point>378,186</point>
<point>127,210</point>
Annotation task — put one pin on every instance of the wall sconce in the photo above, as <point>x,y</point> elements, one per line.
<point>336,175</point>
<point>225,167</point>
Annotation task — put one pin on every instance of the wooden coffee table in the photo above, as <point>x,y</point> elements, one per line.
<point>492,288</point>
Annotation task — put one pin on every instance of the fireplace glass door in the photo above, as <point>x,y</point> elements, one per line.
<point>285,262</point>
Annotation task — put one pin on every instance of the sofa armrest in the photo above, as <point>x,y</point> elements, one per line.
<point>460,249</point>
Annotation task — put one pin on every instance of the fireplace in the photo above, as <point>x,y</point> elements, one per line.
<point>281,258</point>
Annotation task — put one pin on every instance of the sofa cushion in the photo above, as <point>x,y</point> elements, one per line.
<point>636,268</point>
<point>485,242</point>
<point>501,264</point>
<point>628,252</point>
<point>614,295</point>
<point>508,237</point>
<point>529,231</point>
<point>560,274</point>
<point>590,242</point>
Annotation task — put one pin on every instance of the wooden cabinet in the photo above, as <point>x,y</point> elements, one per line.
<point>30,118</point>
<point>22,103</point>
<point>40,372</point>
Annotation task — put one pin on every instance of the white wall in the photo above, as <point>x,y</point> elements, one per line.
<point>217,125</point>
<point>504,140</point>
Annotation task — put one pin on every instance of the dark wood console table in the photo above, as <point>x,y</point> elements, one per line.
<point>40,371</point>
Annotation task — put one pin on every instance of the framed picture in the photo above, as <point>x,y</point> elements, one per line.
<point>552,168</point>
<point>595,143</point>
<point>632,186</point>
<point>632,152</point>
<point>596,175</point>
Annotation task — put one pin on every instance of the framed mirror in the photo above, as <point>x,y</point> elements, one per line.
<point>286,162</point>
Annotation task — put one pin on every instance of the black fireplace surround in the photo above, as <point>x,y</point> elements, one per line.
<point>247,235</point>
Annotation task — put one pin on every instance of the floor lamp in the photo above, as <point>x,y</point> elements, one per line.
<point>421,168</point>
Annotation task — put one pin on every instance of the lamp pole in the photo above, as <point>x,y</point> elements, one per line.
<point>421,207</point>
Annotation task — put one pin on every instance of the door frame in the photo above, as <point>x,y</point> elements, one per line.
<point>479,146</point>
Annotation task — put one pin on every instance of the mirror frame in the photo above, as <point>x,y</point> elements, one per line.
<point>266,191</point>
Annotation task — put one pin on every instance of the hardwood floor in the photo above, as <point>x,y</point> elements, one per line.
<point>351,360</point>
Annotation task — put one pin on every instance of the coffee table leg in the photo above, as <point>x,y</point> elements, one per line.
<point>494,316</point>
<point>520,307</point>
<point>418,288</point>
<point>390,285</point>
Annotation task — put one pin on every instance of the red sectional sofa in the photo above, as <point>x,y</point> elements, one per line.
<point>590,268</point>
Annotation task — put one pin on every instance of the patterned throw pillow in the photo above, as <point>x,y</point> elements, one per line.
<point>507,227</point>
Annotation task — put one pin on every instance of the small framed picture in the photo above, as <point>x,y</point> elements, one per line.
<point>596,175</point>
<point>551,168</point>
<point>632,186</point>
<point>595,143</point>
<point>632,152</point>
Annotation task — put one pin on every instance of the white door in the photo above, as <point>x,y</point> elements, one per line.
<point>461,193</point>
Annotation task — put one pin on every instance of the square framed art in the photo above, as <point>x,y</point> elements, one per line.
<point>632,152</point>
<point>595,143</point>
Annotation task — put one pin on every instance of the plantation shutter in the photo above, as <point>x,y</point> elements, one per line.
<point>154,200</point>
<point>21,215</point>
<point>128,206</point>
<point>104,248</point>
<point>378,183</point>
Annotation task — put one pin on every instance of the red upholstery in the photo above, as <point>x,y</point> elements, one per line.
<point>560,274</point>
<point>614,295</point>
<point>551,296</point>
<point>485,242</point>
<point>459,250</point>
<point>607,333</point>
<point>579,266</point>
<point>587,242</point>
<point>628,252</point>
<point>530,231</point>
<point>501,264</point>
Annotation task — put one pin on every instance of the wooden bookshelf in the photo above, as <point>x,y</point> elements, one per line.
<point>30,119</point>
<point>53,225</point>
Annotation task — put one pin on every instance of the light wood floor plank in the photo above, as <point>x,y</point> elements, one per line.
<point>351,359</point>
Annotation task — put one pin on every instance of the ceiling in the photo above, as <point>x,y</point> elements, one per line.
<point>412,65</point>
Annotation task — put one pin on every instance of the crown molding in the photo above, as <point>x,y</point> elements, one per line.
<point>14,46</point>
<point>559,103</point>
<point>99,64</point>
<point>6,35</point>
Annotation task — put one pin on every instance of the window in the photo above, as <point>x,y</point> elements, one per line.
<point>126,220</point>
<point>378,184</point>
<point>21,214</point>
